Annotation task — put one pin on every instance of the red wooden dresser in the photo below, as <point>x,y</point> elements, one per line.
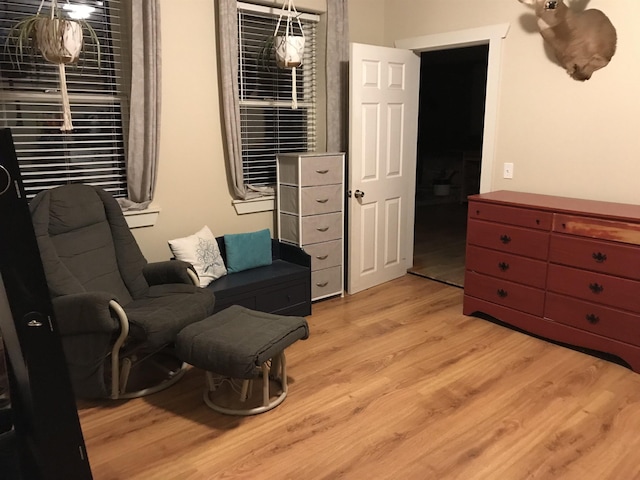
<point>562,268</point>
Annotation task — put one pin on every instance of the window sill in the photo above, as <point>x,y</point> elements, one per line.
<point>255,205</point>
<point>142,218</point>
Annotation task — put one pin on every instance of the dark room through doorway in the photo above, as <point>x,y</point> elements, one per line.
<point>450,134</point>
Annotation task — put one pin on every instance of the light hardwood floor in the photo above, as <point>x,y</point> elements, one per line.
<point>393,383</point>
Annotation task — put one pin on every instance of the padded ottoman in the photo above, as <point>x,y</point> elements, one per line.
<point>237,346</point>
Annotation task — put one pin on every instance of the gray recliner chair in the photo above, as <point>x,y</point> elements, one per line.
<point>118,315</point>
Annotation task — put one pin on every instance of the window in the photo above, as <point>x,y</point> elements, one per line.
<point>30,104</point>
<point>268,123</point>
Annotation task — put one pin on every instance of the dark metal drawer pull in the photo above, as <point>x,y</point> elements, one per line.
<point>322,229</point>
<point>322,172</point>
<point>599,257</point>
<point>502,293</point>
<point>595,287</point>
<point>505,239</point>
<point>323,284</point>
<point>324,200</point>
<point>322,257</point>
<point>503,266</point>
<point>592,318</point>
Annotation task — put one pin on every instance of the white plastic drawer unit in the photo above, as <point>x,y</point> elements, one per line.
<point>310,200</point>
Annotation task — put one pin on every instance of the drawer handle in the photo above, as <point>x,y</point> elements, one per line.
<point>592,318</point>
<point>505,239</point>
<point>596,287</point>
<point>599,257</point>
<point>322,229</point>
<point>323,284</point>
<point>322,257</point>
<point>323,200</point>
<point>322,172</point>
<point>503,266</point>
<point>502,293</point>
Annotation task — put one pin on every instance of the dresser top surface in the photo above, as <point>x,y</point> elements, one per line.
<point>621,211</point>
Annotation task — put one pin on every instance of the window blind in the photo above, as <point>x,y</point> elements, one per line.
<point>268,123</point>
<point>31,106</point>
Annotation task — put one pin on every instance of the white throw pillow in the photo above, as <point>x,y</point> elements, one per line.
<point>201,250</point>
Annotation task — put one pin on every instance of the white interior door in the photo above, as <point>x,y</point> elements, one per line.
<point>383,121</point>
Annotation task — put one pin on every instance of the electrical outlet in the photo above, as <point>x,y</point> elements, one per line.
<point>507,171</point>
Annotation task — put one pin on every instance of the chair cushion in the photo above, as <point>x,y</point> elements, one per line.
<point>85,243</point>
<point>158,316</point>
<point>237,340</point>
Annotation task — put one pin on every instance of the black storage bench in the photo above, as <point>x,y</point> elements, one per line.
<point>282,288</point>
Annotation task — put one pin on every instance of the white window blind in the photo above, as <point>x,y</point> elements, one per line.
<point>268,123</point>
<point>31,106</point>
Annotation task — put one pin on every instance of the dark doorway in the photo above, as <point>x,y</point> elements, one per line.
<point>450,133</point>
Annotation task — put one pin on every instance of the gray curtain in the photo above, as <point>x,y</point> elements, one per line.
<point>228,58</point>
<point>337,75</point>
<point>144,119</point>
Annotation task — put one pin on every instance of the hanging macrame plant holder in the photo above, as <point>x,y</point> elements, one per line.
<point>59,40</point>
<point>289,48</point>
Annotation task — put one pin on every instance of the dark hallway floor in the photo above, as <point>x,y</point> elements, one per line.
<point>439,242</point>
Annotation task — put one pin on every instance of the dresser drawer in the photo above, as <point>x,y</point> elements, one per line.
<point>326,282</point>
<point>321,228</point>
<point>325,255</point>
<point>522,217</point>
<point>503,292</point>
<point>598,228</point>
<point>595,287</point>
<point>315,200</point>
<point>604,321</point>
<point>506,266</point>
<point>322,199</point>
<point>509,239</point>
<point>312,229</point>
<point>606,257</point>
<point>314,170</point>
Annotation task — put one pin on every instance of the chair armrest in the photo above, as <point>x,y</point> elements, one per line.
<point>88,312</point>
<point>170,271</point>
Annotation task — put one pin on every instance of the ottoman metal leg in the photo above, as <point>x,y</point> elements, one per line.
<point>273,376</point>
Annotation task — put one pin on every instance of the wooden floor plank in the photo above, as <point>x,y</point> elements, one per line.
<point>394,382</point>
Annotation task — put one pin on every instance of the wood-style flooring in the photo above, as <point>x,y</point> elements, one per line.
<point>393,383</point>
<point>439,242</point>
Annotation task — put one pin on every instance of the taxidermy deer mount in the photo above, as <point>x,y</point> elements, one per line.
<point>583,42</point>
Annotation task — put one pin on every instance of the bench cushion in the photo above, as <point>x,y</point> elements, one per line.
<point>237,341</point>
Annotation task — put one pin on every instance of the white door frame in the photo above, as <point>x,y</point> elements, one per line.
<point>493,35</point>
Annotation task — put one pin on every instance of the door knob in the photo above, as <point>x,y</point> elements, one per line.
<point>358,194</point>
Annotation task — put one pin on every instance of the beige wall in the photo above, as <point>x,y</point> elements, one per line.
<point>192,188</point>
<point>564,137</point>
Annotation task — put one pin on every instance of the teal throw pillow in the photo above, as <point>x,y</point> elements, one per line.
<point>248,250</point>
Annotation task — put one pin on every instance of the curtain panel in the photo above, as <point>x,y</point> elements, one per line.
<point>337,75</point>
<point>145,99</point>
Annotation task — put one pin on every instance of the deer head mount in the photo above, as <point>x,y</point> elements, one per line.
<point>583,42</point>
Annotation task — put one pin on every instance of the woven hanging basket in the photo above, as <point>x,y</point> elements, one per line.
<point>59,40</point>
<point>289,48</point>
<point>289,51</point>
